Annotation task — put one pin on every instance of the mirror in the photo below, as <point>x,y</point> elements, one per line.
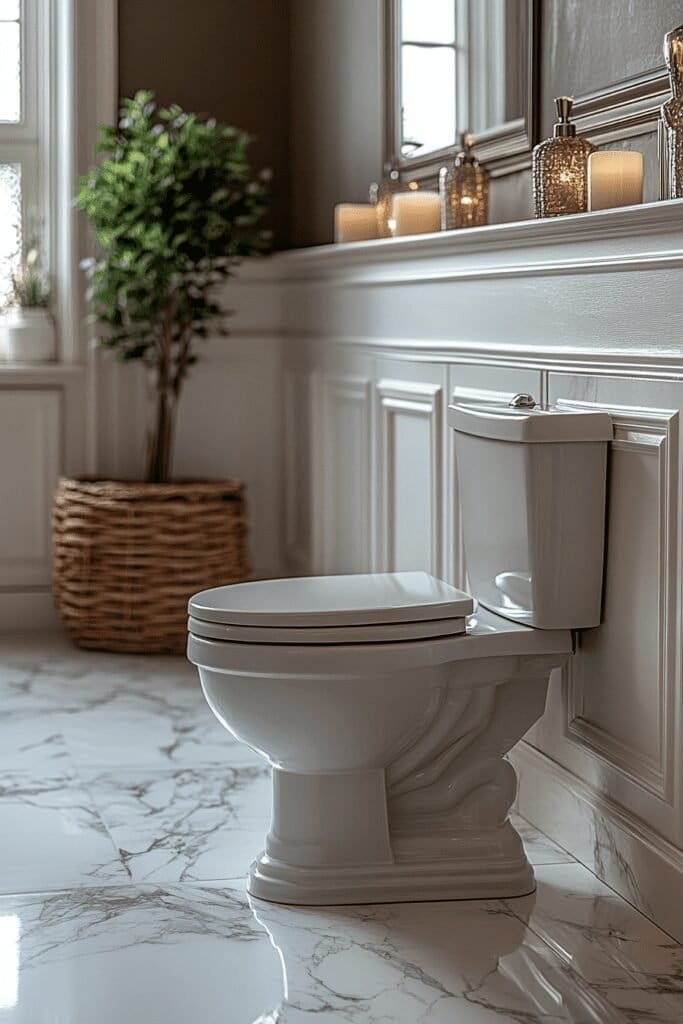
<point>455,66</point>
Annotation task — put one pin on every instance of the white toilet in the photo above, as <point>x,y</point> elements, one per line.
<point>386,703</point>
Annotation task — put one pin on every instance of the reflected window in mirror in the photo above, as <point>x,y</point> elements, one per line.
<point>430,52</point>
<point>454,66</point>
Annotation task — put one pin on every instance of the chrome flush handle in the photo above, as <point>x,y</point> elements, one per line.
<point>523,401</point>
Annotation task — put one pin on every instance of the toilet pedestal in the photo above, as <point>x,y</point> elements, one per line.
<point>483,865</point>
<point>432,825</point>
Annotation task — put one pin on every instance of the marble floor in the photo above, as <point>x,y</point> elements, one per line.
<point>127,819</point>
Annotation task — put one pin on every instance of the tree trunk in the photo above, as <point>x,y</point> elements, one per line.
<point>160,436</point>
<point>164,401</point>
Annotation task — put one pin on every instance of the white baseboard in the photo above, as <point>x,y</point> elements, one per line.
<point>620,849</point>
<point>26,610</point>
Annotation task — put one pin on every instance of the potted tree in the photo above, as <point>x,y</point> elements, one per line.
<point>174,208</point>
<point>27,326</point>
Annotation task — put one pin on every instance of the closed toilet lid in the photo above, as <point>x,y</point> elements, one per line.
<point>374,633</point>
<point>355,600</point>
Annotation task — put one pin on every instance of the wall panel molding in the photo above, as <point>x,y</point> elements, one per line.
<point>346,473</point>
<point>399,399</point>
<point>30,465</point>
<point>653,435</point>
<point>300,413</point>
<point>623,110</point>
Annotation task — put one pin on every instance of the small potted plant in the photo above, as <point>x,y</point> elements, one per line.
<point>27,326</point>
<point>175,208</point>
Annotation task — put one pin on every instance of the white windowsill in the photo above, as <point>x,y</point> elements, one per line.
<point>39,373</point>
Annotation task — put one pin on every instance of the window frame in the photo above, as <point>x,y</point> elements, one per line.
<point>27,142</point>
<point>74,55</point>
<point>505,148</point>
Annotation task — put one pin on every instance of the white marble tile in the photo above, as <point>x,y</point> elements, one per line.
<point>605,941</point>
<point>114,775</point>
<point>151,729</point>
<point>189,824</point>
<point>540,849</point>
<point>114,710</point>
<point>143,956</point>
<point>179,954</point>
<point>52,836</point>
<point>30,743</point>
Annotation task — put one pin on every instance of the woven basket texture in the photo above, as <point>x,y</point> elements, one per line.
<point>128,556</point>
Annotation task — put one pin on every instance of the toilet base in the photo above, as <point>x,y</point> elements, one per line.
<point>467,876</point>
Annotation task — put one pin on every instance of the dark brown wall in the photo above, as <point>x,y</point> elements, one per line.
<point>337,97</point>
<point>226,58</point>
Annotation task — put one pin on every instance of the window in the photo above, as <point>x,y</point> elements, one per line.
<point>23,168</point>
<point>456,66</point>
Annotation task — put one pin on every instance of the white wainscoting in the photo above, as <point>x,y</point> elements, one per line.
<point>585,310</point>
<point>43,437</point>
<point>33,419</point>
<point>410,479</point>
<point>345,471</point>
<point>301,541</point>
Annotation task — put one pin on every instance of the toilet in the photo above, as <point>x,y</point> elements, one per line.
<point>386,702</point>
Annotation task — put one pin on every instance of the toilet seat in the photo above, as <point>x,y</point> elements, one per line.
<point>377,633</point>
<point>354,609</point>
<point>488,637</point>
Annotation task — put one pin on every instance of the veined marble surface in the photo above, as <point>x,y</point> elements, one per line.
<point>128,817</point>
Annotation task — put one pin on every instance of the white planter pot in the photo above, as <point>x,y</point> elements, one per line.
<point>27,335</point>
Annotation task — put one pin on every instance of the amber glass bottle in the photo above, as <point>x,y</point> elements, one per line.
<point>464,190</point>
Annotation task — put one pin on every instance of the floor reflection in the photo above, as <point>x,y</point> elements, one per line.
<point>431,962</point>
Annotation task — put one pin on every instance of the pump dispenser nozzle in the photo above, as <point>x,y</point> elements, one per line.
<point>563,127</point>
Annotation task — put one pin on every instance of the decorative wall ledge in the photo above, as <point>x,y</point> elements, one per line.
<point>595,293</point>
<point>640,233</point>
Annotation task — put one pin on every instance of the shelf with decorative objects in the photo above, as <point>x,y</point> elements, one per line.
<point>590,291</point>
<point>653,229</point>
<point>569,175</point>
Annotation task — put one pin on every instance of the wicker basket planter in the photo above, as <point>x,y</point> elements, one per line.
<point>127,556</point>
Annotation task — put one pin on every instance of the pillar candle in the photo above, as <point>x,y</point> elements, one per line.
<point>614,179</point>
<point>416,212</point>
<point>354,222</point>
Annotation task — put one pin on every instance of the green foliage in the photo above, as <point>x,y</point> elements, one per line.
<point>174,209</point>
<point>30,284</point>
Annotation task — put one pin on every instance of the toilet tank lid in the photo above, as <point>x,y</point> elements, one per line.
<point>502,422</point>
<point>333,600</point>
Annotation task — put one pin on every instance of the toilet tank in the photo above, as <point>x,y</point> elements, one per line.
<point>531,486</point>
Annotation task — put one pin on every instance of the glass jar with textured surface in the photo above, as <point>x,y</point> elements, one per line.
<point>383,197</point>
<point>464,190</point>
<point>560,167</point>
<point>672,112</point>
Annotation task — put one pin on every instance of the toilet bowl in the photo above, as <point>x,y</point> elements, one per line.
<point>386,703</point>
<point>389,778</point>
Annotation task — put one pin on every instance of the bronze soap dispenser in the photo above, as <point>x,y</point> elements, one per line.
<point>560,167</point>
